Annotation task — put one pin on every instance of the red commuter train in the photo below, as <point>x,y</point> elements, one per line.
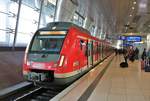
<point>61,52</point>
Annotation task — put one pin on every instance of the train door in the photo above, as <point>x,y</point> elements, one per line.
<point>89,51</point>
<point>92,58</point>
<point>102,50</point>
<point>97,53</point>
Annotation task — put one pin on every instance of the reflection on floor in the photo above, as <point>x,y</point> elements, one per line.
<point>123,84</point>
<point>10,68</point>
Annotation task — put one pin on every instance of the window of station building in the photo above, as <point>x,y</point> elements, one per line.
<point>48,12</point>
<point>30,19</point>
<point>8,13</point>
<point>78,19</point>
<point>92,29</point>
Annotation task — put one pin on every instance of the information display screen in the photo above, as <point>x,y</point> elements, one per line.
<point>134,38</point>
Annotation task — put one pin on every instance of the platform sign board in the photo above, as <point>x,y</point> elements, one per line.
<point>133,38</point>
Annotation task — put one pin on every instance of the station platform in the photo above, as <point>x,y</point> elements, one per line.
<point>10,68</point>
<point>115,84</point>
<point>123,84</point>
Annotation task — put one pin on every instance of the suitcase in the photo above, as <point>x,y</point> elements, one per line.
<point>124,64</point>
<point>142,64</point>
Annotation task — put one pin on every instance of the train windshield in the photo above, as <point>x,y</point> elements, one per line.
<point>47,43</point>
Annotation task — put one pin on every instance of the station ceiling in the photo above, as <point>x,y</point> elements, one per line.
<point>131,15</point>
<point>125,15</point>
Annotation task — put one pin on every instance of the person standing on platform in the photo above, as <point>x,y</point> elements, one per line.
<point>131,54</point>
<point>143,57</point>
<point>116,51</point>
<point>144,54</point>
<point>148,55</point>
<point>136,53</point>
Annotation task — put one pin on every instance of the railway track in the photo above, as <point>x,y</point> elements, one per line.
<point>39,94</point>
<point>33,93</point>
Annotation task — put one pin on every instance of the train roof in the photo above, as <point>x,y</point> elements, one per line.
<point>62,26</point>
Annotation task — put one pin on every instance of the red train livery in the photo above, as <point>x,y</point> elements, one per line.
<point>61,52</point>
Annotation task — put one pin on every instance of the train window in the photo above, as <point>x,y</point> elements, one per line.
<point>86,49</point>
<point>97,50</point>
<point>81,44</point>
<point>43,43</point>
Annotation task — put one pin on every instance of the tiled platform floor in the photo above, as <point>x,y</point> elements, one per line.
<point>10,68</point>
<point>123,84</point>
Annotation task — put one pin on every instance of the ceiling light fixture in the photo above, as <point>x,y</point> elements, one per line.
<point>142,5</point>
<point>133,8</point>
<point>134,2</point>
<point>130,15</point>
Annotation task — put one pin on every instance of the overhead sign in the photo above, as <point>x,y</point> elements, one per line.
<point>131,38</point>
<point>134,38</point>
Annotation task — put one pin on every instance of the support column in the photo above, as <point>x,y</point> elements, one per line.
<point>41,7</point>
<point>17,23</point>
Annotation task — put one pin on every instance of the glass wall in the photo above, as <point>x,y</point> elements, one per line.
<point>8,14</point>
<point>92,30</point>
<point>78,19</point>
<point>33,14</point>
<point>28,21</point>
<point>47,13</point>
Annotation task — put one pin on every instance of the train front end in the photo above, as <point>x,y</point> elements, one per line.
<point>42,57</point>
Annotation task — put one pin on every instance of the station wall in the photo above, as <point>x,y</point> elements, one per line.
<point>18,22</point>
<point>33,14</point>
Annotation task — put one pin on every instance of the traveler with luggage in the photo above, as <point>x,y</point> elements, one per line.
<point>146,60</point>
<point>131,54</point>
<point>148,54</point>
<point>144,54</point>
<point>147,65</point>
<point>136,53</point>
<point>143,57</point>
<point>125,63</point>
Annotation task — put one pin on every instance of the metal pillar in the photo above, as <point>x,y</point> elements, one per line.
<point>41,7</point>
<point>17,23</point>
<point>55,11</point>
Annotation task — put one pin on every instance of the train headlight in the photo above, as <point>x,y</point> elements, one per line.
<point>61,60</point>
<point>28,63</point>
